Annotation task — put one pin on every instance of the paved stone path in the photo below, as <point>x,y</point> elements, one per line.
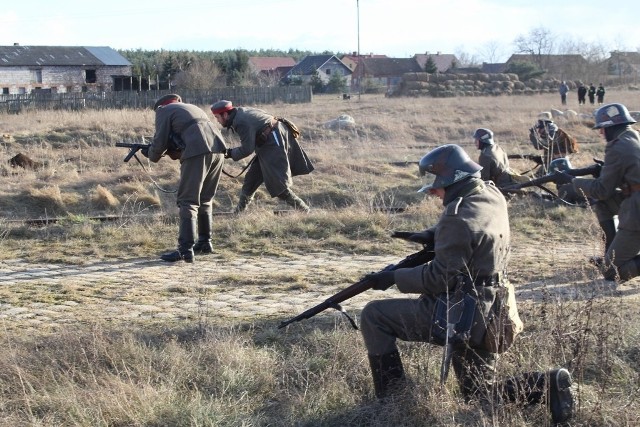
<point>141,290</point>
<point>47,295</point>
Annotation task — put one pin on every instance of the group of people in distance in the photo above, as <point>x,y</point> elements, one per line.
<point>471,240</point>
<point>583,92</point>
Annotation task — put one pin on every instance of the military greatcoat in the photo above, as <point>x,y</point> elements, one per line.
<point>621,170</point>
<point>278,154</point>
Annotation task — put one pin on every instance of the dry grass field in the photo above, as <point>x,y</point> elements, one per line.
<point>97,357</point>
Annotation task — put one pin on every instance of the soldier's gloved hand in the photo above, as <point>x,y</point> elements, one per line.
<point>227,153</point>
<point>599,164</point>
<point>561,178</point>
<point>382,280</point>
<point>145,151</point>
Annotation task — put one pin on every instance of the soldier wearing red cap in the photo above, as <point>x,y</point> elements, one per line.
<point>279,157</point>
<point>183,131</point>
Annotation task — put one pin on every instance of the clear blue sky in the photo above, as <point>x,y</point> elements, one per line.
<point>397,28</point>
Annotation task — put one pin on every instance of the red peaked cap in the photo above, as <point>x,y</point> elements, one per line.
<point>220,107</point>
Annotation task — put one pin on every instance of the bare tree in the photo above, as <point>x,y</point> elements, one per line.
<point>539,43</point>
<point>492,51</point>
<point>201,74</point>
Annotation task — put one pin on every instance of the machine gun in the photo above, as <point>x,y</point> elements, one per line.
<point>133,148</point>
<point>593,170</point>
<point>421,257</point>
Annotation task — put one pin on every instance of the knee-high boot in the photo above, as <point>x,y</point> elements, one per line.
<point>533,387</point>
<point>186,239</point>
<point>609,230</point>
<point>203,245</point>
<point>387,372</point>
<point>293,200</point>
<point>244,201</point>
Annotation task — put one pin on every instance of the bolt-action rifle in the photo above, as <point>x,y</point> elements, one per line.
<point>421,257</point>
<point>593,170</point>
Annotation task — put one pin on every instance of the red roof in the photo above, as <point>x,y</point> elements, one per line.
<point>270,63</point>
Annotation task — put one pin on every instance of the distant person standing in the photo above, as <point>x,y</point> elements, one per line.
<point>592,94</point>
<point>582,94</point>
<point>564,89</point>
<point>600,94</point>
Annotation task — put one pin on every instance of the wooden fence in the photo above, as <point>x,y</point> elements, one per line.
<point>145,99</point>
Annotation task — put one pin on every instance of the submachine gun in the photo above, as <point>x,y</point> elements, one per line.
<point>421,257</point>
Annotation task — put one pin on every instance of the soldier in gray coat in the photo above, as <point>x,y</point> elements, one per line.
<point>619,186</point>
<point>494,161</point>
<point>278,158</point>
<point>471,243</point>
<point>184,132</point>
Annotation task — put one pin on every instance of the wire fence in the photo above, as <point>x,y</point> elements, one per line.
<point>15,104</point>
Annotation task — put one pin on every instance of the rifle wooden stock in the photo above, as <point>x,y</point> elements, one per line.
<point>590,170</point>
<point>421,257</point>
<point>133,148</point>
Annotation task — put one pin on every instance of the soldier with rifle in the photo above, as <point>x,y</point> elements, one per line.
<point>465,305</point>
<point>184,132</point>
<point>617,187</point>
<point>494,161</point>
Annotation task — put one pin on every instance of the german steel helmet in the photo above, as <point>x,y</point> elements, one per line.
<point>449,163</point>
<point>484,135</point>
<point>611,115</point>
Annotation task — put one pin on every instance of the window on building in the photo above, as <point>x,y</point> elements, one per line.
<point>328,71</point>
<point>36,76</point>
<point>22,90</point>
<point>90,76</point>
<point>5,91</point>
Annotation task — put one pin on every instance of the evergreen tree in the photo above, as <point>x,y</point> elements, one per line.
<point>430,66</point>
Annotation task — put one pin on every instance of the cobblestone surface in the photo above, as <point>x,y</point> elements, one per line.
<point>47,295</point>
<point>35,296</point>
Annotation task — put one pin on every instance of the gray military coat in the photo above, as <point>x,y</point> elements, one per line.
<point>621,170</point>
<point>278,153</point>
<point>472,238</point>
<point>495,165</point>
<point>190,124</point>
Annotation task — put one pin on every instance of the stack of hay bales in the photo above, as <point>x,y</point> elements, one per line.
<point>472,84</point>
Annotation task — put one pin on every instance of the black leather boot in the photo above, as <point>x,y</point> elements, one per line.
<point>204,245</point>
<point>560,396</point>
<point>186,238</point>
<point>388,374</point>
<point>609,229</point>
<point>244,201</point>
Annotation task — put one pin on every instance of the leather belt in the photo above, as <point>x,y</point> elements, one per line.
<point>482,281</point>
<point>634,187</point>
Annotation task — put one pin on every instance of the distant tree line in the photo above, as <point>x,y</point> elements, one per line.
<point>203,70</point>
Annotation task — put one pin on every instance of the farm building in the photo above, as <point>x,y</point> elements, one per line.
<point>62,69</point>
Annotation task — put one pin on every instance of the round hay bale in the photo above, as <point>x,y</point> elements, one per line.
<point>518,85</point>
